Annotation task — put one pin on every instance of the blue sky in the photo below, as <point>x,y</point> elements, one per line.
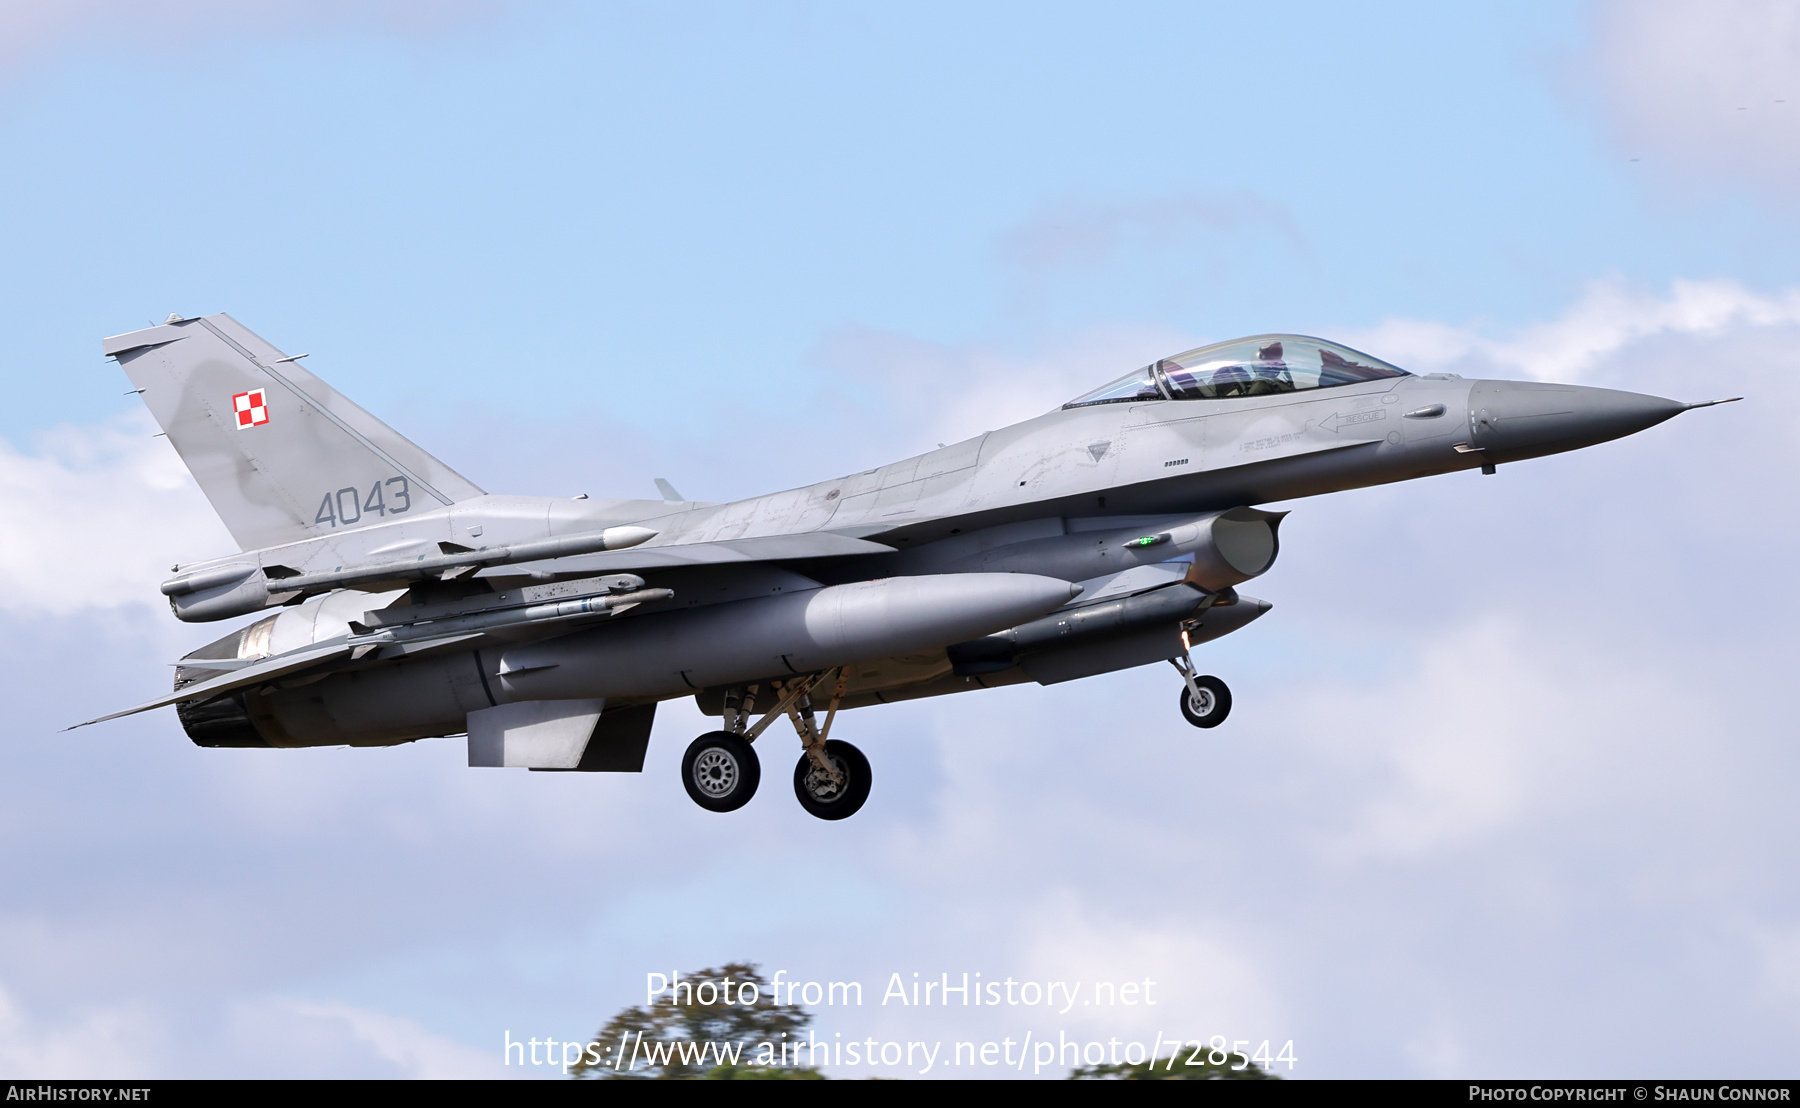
<point>1509,759</point>
<point>589,193</point>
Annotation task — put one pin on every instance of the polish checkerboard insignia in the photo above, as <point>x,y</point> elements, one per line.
<point>252,410</point>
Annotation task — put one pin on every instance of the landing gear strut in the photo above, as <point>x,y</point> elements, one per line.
<point>1205,700</point>
<point>832,780</point>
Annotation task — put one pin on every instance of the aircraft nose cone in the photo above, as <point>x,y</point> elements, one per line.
<point>1510,420</point>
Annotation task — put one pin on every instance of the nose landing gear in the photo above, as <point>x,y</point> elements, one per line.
<point>1205,700</point>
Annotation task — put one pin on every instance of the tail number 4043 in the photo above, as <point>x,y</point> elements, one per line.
<point>347,506</point>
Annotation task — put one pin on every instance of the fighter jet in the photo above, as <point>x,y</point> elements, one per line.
<point>406,603</point>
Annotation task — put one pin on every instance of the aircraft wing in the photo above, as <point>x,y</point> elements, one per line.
<point>593,552</point>
<point>763,548</point>
<point>236,679</point>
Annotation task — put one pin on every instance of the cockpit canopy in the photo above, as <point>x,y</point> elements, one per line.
<point>1258,366</point>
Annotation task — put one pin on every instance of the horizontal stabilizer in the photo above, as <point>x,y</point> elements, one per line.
<point>766,548</point>
<point>265,670</point>
<point>415,647</point>
<point>610,539</point>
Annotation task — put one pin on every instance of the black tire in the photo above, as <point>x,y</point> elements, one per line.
<point>1217,706</point>
<point>721,771</point>
<point>817,794</point>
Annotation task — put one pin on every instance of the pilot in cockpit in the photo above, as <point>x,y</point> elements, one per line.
<point>1254,366</point>
<point>1270,373</point>
<point>1232,380</point>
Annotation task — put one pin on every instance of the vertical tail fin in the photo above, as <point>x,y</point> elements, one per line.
<point>282,455</point>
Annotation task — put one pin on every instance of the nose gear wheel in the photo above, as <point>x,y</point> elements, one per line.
<point>1207,703</point>
<point>1205,700</point>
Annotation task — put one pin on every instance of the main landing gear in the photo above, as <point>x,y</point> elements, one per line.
<point>721,771</point>
<point>1205,700</point>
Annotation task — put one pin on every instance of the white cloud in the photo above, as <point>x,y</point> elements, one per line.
<point>333,1039</point>
<point>1610,316</point>
<point>265,1035</point>
<point>1496,728</point>
<point>930,392</point>
<point>96,516</point>
<point>1506,749</point>
<point>1779,978</point>
<point>1458,760</point>
<point>1439,1052</point>
<point>1709,88</point>
<point>944,392</point>
<point>1207,979</point>
<point>122,1039</point>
